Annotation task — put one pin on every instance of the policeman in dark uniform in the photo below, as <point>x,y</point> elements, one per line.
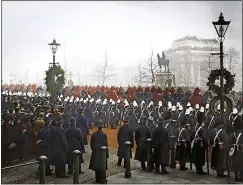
<point>125,134</point>
<point>141,136</point>
<point>98,139</point>
<point>75,142</point>
<point>161,145</point>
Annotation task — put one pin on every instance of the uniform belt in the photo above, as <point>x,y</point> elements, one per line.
<point>173,120</point>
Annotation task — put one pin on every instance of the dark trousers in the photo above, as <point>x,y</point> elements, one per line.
<point>172,158</point>
<point>70,168</point>
<point>120,161</point>
<point>157,167</point>
<point>99,176</point>
<point>60,170</point>
<point>143,166</point>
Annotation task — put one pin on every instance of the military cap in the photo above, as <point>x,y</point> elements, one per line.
<point>72,121</point>
<point>143,120</point>
<point>161,120</point>
<point>59,119</point>
<point>100,123</point>
<point>126,118</point>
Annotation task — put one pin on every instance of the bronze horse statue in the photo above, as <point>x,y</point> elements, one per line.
<point>163,62</point>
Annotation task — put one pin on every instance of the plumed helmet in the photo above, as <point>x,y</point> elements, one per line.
<point>235,111</point>
<point>188,104</point>
<point>202,109</point>
<point>197,106</point>
<point>207,106</point>
<point>187,112</point>
<point>72,121</point>
<point>173,108</point>
<point>180,107</point>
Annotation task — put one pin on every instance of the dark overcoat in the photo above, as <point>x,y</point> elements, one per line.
<point>237,157</point>
<point>58,143</point>
<point>89,116</point>
<point>125,134</point>
<point>75,142</point>
<point>98,139</point>
<point>141,136</point>
<point>44,146</point>
<point>82,124</point>
<point>161,144</point>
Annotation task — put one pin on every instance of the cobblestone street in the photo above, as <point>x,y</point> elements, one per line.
<point>29,174</point>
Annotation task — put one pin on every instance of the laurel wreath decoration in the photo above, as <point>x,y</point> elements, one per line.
<point>215,75</point>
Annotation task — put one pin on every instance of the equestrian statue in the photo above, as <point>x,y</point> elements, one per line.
<point>163,62</point>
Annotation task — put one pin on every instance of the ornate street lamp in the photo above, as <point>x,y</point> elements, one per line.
<point>221,27</point>
<point>54,46</point>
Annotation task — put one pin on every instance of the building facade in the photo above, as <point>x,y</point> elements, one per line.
<point>191,60</point>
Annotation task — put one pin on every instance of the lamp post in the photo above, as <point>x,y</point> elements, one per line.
<point>221,27</point>
<point>54,46</point>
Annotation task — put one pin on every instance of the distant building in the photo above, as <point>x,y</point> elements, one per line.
<point>187,55</point>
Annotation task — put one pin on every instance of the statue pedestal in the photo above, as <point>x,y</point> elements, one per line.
<point>163,78</point>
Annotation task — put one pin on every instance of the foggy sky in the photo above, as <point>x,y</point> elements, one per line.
<point>128,31</point>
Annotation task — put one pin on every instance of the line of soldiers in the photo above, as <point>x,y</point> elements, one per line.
<point>178,133</point>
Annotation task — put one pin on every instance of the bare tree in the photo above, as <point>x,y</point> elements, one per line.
<point>140,78</point>
<point>210,63</point>
<point>150,68</point>
<point>232,59</point>
<point>104,71</point>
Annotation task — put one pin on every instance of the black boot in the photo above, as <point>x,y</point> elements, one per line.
<point>157,168</point>
<point>143,166</point>
<point>183,166</point>
<point>119,161</point>
<point>200,171</point>
<point>163,170</point>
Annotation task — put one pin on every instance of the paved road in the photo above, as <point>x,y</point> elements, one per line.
<point>175,177</point>
<point>29,174</point>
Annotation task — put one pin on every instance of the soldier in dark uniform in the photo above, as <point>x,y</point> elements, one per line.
<point>43,145</point>
<point>141,136</point>
<point>161,145</point>
<point>230,120</point>
<point>220,149</point>
<point>75,142</point>
<point>236,152</point>
<point>124,134</point>
<point>199,145</point>
<point>98,139</point>
<point>112,118</point>
<point>89,115</point>
<point>57,140</point>
<point>183,146</point>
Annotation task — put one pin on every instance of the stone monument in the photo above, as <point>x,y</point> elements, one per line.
<point>165,78</point>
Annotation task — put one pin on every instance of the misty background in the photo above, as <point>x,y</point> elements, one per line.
<point>125,31</point>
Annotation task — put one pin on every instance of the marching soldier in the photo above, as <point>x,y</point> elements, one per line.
<point>199,144</point>
<point>161,144</point>
<point>125,134</point>
<point>98,139</point>
<point>236,152</point>
<point>75,142</point>
<point>231,118</point>
<point>141,136</point>
<point>183,146</point>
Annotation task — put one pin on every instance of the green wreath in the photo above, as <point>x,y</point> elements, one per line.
<point>215,75</point>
